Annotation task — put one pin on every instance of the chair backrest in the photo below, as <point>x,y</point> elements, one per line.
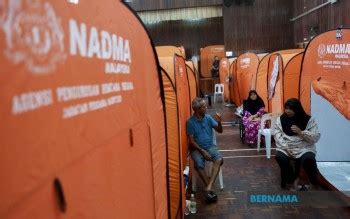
<point>219,88</point>
<point>269,117</point>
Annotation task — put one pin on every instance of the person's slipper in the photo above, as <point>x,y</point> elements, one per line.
<point>210,196</point>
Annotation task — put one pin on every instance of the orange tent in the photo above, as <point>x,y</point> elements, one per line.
<point>175,68</point>
<point>234,84</point>
<point>264,74</point>
<point>83,130</point>
<point>164,51</point>
<point>183,96</point>
<point>206,58</point>
<point>326,65</point>
<point>276,87</point>
<point>192,81</point>
<point>291,77</point>
<point>246,67</point>
<point>173,146</point>
<point>224,73</point>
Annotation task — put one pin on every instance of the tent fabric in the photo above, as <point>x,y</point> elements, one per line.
<point>75,113</point>
<point>175,67</point>
<point>184,106</point>
<point>266,66</point>
<point>233,87</point>
<point>173,142</point>
<point>192,82</point>
<point>261,79</point>
<point>166,51</point>
<point>224,73</point>
<point>291,77</point>
<point>336,93</point>
<point>183,96</point>
<point>276,102</point>
<point>275,85</point>
<point>246,67</point>
<point>326,60</point>
<point>206,58</point>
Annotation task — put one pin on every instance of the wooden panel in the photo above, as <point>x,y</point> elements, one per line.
<point>326,18</point>
<point>193,35</point>
<point>142,5</point>
<point>261,27</point>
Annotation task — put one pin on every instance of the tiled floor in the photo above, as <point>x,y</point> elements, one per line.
<point>245,172</point>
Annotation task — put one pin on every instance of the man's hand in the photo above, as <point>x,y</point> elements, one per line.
<point>218,117</point>
<point>296,130</point>
<point>206,155</point>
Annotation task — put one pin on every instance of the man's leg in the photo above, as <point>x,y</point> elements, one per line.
<point>218,161</point>
<point>199,164</point>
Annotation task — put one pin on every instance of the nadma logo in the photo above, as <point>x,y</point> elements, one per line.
<point>321,51</point>
<point>341,51</point>
<point>33,34</point>
<point>245,61</point>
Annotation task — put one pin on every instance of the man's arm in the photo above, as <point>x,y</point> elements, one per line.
<point>218,119</point>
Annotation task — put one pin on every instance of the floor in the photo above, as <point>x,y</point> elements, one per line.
<point>248,172</point>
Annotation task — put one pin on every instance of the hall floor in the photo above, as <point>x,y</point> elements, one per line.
<point>246,171</point>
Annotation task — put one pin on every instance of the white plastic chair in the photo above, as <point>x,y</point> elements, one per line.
<point>219,91</point>
<point>208,168</point>
<point>267,132</point>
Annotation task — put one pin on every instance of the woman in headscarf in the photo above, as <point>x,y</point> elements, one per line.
<point>295,135</point>
<point>253,109</point>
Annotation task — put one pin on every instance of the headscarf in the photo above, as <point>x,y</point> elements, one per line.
<point>299,119</point>
<point>253,106</point>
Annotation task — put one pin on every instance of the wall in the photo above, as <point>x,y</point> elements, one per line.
<point>261,27</point>
<point>144,5</point>
<point>193,35</point>
<point>326,18</point>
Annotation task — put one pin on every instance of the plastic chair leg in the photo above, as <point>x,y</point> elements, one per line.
<point>194,181</point>
<point>268,145</point>
<point>221,180</point>
<point>259,139</point>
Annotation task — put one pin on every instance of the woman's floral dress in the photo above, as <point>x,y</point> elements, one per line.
<point>251,127</point>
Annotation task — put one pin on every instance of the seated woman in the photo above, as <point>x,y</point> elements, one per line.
<point>295,135</point>
<point>253,109</point>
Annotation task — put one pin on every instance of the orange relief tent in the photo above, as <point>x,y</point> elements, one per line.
<point>246,67</point>
<point>291,77</point>
<point>164,51</point>
<point>192,81</point>
<point>173,146</point>
<point>207,56</point>
<point>234,84</point>
<point>326,65</point>
<point>175,68</point>
<point>183,96</point>
<point>83,130</point>
<point>265,69</point>
<point>277,84</point>
<point>224,73</point>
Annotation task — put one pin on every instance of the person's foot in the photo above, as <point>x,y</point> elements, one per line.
<point>210,196</point>
<point>303,188</point>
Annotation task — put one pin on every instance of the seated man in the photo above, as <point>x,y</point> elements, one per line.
<point>200,131</point>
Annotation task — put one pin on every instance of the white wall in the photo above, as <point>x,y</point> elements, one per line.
<point>334,144</point>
